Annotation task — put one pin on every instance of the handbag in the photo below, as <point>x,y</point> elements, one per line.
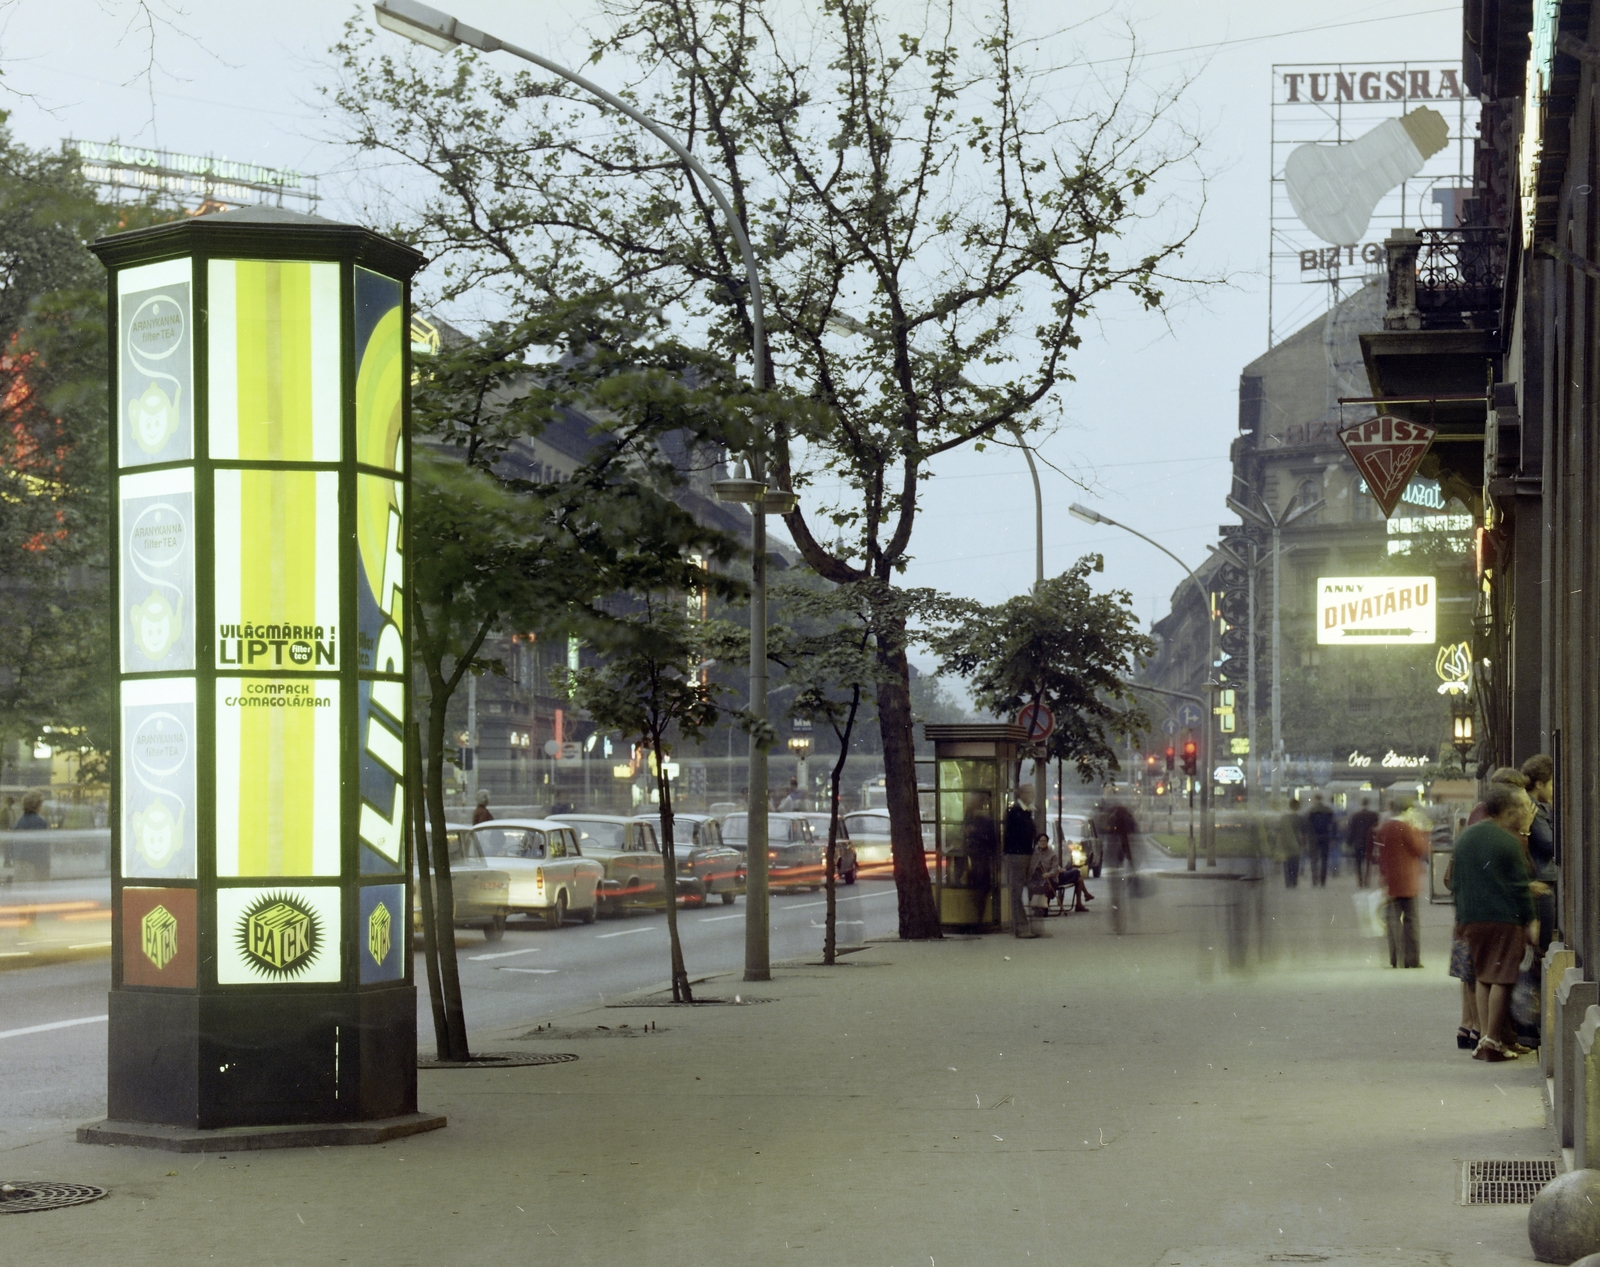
<point>1369,912</point>
<point>1526,1003</point>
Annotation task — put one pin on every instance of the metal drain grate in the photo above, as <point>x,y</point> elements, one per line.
<point>1505,1182</point>
<point>21,1198</point>
<point>501,1060</point>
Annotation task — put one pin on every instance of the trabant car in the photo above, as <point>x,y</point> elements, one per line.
<point>550,877</point>
<point>703,859</point>
<point>482,893</point>
<point>631,855</point>
<point>794,858</point>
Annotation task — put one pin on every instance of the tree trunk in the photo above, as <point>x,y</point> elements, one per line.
<point>444,887</point>
<point>417,829</point>
<point>830,941</point>
<point>919,917</point>
<point>669,870</point>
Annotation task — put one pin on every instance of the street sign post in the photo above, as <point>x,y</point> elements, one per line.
<point>1387,452</point>
<point>1038,721</point>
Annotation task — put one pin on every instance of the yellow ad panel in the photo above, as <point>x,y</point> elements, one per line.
<point>380,372</point>
<point>274,343</point>
<point>277,569</point>
<point>277,777</point>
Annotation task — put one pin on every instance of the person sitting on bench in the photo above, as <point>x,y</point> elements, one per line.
<point>1050,878</point>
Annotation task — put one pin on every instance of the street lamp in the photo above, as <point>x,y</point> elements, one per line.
<point>438,30</point>
<point>1462,735</point>
<point>1275,525</point>
<point>1208,827</point>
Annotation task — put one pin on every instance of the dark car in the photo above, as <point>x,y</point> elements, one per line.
<point>846,862</point>
<point>705,866</point>
<point>794,857</point>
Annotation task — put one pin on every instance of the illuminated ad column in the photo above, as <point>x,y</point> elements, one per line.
<point>261,973</point>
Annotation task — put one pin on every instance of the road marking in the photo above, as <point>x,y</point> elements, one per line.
<point>712,919</point>
<point>16,954</point>
<point>92,945</point>
<point>800,906</point>
<point>507,954</point>
<point>626,932</point>
<point>542,972</point>
<point>39,1029</point>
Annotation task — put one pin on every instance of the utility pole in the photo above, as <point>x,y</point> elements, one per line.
<point>1275,524</point>
<point>1206,769</point>
<point>1041,804</point>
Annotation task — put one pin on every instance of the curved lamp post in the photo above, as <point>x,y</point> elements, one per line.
<point>1208,826</point>
<point>438,30</point>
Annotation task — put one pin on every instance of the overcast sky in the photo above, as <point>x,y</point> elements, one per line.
<point>1155,404</point>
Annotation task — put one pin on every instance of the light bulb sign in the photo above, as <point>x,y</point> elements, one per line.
<point>1365,611</point>
<point>260,460</point>
<point>1359,149</point>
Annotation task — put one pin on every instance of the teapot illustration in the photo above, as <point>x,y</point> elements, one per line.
<point>153,417</point>
<point>156,833</point>
<point>155,625</point>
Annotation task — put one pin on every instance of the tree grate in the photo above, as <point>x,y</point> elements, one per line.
<point>738,1002</point>
<point>1505,1182</point>
<point>24,1197</point>
<point>500,1060</point>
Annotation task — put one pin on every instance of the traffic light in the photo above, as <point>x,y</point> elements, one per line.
<point>1191,757</point>
<point>1171,755</point>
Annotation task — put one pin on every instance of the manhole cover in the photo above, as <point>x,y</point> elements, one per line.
<point>738,1002</point>
<point>1505,1182</point>
<point>500,1060</point>
<point>20,1198</point>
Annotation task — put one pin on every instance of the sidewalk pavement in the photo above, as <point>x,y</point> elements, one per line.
<point>1083,1099</point>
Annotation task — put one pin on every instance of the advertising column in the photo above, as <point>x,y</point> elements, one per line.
<point>260,973</point>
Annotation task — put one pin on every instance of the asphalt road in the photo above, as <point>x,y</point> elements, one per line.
<point>52,1017</point>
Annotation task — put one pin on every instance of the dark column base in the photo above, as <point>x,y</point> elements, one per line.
<point>178,1139</point>
<point>204,1062</point>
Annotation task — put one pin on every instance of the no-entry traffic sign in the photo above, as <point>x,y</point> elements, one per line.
<point>1038,721</point>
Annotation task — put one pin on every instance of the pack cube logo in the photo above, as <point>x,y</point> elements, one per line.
<point>158,936</point>
<point>279,936</point>
<point>380,926</point>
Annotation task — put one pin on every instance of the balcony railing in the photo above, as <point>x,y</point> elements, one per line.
<point>1444,279</point>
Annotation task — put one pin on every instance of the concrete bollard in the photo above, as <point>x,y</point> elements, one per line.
<point>1557,960</point>
<point>1586,1092</point>
<point>1564,1219</point>
<point>1574,996</point>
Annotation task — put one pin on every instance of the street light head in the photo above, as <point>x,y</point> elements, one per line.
<point>1244,512</point>
<point>429,26</point>
<point>1079,511</point>
<point>1310,508</point>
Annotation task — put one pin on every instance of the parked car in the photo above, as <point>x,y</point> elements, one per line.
<point>701,857</point>
<point>482,893</point>
<point>794,858</point>
<point>550,877</point>
<point>631,855</point>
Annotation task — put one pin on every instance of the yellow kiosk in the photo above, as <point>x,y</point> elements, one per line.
<point>975,777</point>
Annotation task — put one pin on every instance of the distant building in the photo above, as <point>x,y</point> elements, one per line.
<point>1344,709</point>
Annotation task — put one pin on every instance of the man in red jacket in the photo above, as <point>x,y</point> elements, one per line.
<point>1401,851</point>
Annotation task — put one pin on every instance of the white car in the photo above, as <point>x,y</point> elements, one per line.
<point>549,874</point>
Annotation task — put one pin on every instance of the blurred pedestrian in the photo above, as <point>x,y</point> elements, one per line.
<point>1507,774</point>
<point>1540,771</point>
<point>1401,851</point>
<point>1291,842</point>
<point>1017,840</point>
<point>32,819</point>
<point>793,801</point>
<point>979,844</point>
<point>1319,835</point>
<point>483,813</point>
<point>1495,910</point>
<point>1358,836</point>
